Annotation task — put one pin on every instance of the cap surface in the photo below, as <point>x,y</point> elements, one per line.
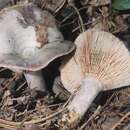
<point>29,38</point>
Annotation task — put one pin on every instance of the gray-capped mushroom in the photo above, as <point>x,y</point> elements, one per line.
<point>29,41</point>
<point>101,62</point>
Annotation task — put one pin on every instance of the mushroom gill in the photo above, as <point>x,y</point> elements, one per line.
<point>101,62</point>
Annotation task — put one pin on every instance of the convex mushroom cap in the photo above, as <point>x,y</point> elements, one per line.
<point>101,62</point>
<point>30,39</point>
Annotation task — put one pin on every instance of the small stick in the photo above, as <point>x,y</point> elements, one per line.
<point>80,18</point>
<point>54,105</point>
<point>121,120</point>
<point>3,69</point>
<point>43,124</point>
<point>18,124</point>
<point>60,7</point>
<point>21,86</point>
<point>8,126</point>
<point>97,111</point>
<point>44,119</point>
<point>10,123</point>
<point>67,17</point>
<point>70,98</point>
<point>12,79</point>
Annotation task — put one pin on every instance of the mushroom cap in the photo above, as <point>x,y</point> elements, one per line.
<point>98,54</point>
<point>29,38</point>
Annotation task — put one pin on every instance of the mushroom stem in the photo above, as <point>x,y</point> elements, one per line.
<point>83,98</point>
<point>35,80</point>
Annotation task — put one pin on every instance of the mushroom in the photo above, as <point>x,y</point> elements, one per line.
<point>101,62</point>
<point>29,41</point>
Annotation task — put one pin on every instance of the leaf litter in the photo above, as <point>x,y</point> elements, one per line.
<point>19,109</point>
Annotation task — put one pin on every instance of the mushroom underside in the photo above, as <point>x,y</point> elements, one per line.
<point>101,62</point>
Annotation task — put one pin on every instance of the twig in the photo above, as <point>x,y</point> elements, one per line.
<point>80,27</point>
<point>3,69</point>
<point>60,7</point>
<point>21,86</point>
<point>44,124</point>
<point>70,15</point>
<point>55,105</point>
<point>44,119</point>
<point>10,81</point>
<point>120,121</point>
<point>80,18</point>
<point>9,123</point>
<point>8,126</point>
<point>97,111</point>
<point>12,124</point>
<point>70,98</point>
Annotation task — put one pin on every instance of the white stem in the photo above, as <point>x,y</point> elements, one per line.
<point>85,96</point>
<point>35,80</point>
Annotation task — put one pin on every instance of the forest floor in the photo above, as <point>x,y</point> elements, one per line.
<point>110,110</point>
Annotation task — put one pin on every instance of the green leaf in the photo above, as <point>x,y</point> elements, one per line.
<point>121,4</point>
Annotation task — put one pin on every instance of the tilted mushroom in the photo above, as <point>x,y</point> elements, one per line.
<point>29,41</point>
<point>101,62</point>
